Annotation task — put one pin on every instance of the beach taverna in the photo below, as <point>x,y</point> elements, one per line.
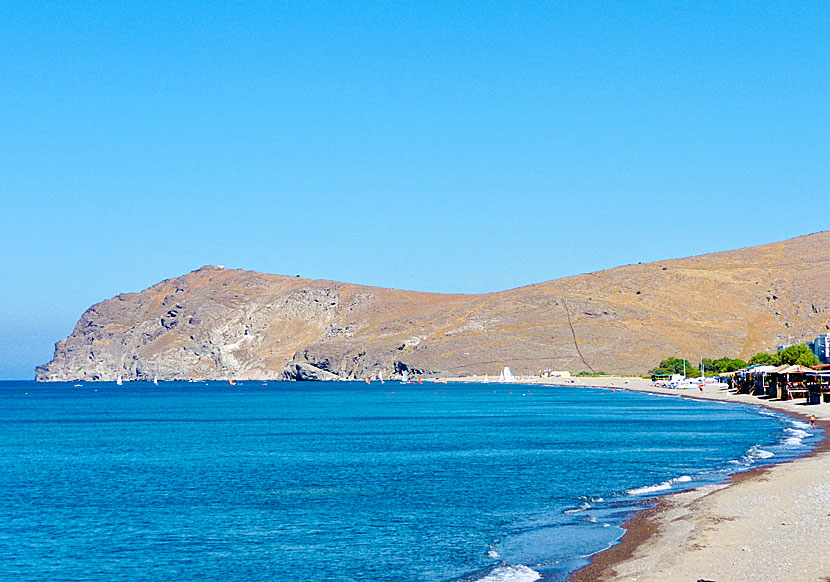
<point>787,382</point>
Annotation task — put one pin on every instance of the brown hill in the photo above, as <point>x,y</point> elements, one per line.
<point>217,323</point>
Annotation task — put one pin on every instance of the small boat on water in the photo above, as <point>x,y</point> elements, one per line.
<point>120,380</point>
<point>380,377</point>
<point>156,380</point>
<point>405,379</point>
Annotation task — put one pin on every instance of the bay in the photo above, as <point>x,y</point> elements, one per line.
<point>348,481</point>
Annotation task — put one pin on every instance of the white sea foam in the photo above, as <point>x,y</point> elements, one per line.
<point>665,485</point>
<point>509,573</point>
<point>794,437</point>
<point>579,509</point>
<point>756,452</point>
<point>800,424</point>
<point>797,432</point>
<point>650,489</point>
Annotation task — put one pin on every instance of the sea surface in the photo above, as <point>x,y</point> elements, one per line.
<point>348,481</point>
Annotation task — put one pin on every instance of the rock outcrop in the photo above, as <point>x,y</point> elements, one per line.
<point>219,323</point>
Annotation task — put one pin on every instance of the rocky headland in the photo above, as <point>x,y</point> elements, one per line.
<point>216,323</point>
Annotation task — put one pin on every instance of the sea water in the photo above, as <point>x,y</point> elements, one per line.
<point>348,481</point>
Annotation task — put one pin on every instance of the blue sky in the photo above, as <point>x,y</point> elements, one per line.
<point>450,147</point>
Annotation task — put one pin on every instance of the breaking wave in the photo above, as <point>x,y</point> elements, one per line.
<point>664,486</point>
<point>509,573</point>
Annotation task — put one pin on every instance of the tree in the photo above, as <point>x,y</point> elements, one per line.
<point>722,365</point>
<point>763,359</point>
<point>808,360</point>
<point>674,365</point>
<point>798,354</point>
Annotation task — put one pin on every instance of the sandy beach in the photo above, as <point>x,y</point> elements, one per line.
<point>770,524</point>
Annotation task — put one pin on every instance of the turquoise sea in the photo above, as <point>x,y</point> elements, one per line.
<point>348,481</point>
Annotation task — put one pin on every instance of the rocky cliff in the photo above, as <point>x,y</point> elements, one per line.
<point>218,323</point>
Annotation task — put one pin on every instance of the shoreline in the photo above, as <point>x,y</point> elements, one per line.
<point>755,526</point>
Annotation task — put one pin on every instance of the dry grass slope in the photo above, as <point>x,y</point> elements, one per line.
<point>217,323</point>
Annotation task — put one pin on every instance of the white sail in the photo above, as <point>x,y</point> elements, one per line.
<point>501,376</point>
<point>508,375</point>
<point>405,377</point>
<point>120,380</point>
<point>380,377</point>
<point>486,378</point>
<point>156,380</point>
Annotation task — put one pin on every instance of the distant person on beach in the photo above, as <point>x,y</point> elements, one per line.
<point>813,420</point>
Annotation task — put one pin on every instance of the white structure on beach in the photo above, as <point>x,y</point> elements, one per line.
<point>506,375</point>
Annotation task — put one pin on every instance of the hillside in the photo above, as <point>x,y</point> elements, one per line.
<point>219,323</point>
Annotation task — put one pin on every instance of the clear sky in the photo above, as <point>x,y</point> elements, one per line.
<point>446,146</point>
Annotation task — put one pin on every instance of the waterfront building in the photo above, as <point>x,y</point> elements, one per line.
<point>821,348</point>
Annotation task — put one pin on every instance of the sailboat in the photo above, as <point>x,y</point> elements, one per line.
<point>405,377</point>
<point>507,375</point>
<point>156,380</point>
<point>380,377</point>
<point>120,380</point>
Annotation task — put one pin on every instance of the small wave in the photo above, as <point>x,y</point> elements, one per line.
<point>756,452</point>
<point>795,434</point>
<point>665,485</point>
<point>506,573</point>
<point>650,489</point>
<point>579,509</point>
<point>493,554</point>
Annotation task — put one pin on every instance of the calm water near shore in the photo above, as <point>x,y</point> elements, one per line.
<point>348,481</point>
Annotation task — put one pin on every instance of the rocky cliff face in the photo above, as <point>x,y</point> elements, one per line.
<point>215,323</point>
